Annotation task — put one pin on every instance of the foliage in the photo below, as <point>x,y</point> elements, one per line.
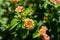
<point>40,12</point>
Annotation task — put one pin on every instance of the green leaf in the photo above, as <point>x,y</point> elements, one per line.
<point>2,28</point>
<point>14,22</point>
<point>1,2</point>
<point>1,12</point>
<point>36,34</point>
<point>0,37</point>
<point>58,4</point>
<point>4,20</point>
<point>46,14</point>
<point>27,11</point>
<point>40,23</point>
<point>24,33</point>
<point>13,26</point>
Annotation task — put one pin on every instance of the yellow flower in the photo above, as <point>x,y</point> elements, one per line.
<point>28,23</point>
<point>19,9</point>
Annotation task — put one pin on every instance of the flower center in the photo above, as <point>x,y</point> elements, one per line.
<point>29,23</point>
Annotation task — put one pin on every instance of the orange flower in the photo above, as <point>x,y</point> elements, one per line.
<point>46,37</point>
<point>19,9</point>
<point>15,0</point>
<point>55,1</point>
<point>43,30</point>
<point>28,23</point>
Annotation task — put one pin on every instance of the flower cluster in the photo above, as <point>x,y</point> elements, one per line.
<point>19,9</point>
<point>28,23</point>
<point>42,32</point>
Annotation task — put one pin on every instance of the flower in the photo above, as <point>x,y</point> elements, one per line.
<point>19,9</point>
<point>28,23</point>
<point>43,30</point>
<point>55,1</point>
<point>46,37</point>
<point>15,0</point>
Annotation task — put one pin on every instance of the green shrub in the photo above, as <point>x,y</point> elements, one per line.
<point>22,19</point>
